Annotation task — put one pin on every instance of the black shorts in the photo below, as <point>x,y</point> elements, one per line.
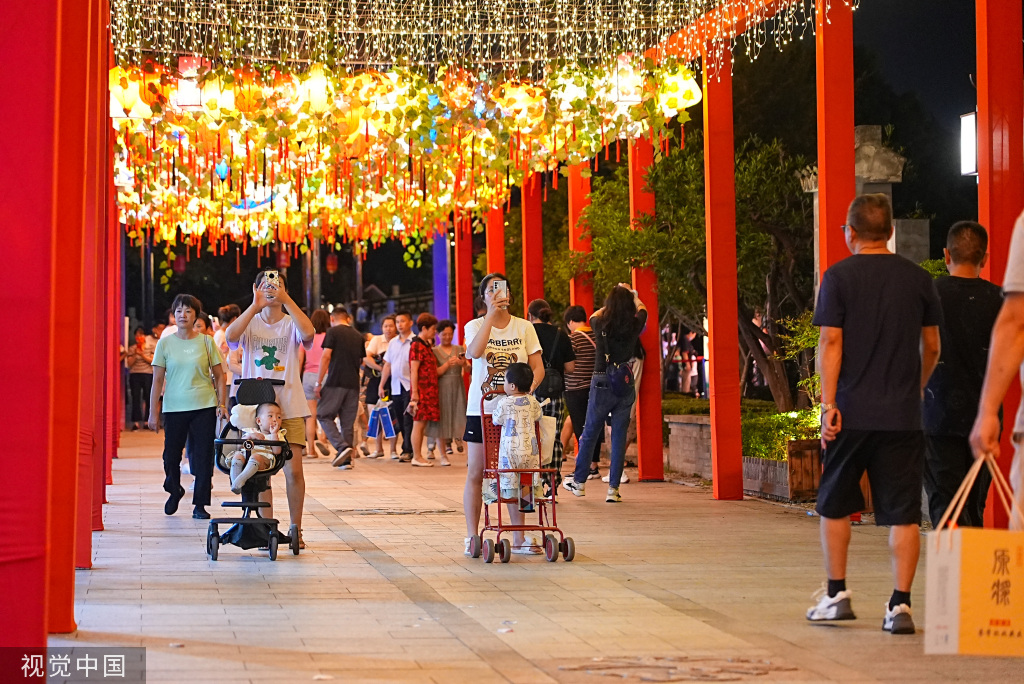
<point>474,430</point>
<point>894,462</point>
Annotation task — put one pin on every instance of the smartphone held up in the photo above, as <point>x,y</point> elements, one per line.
<point>500,289</point>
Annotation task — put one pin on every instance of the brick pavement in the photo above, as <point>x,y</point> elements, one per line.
<point>668,586</point>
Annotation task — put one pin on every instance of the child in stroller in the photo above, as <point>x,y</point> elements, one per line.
<point>252,530</point>
<point>262,457</point>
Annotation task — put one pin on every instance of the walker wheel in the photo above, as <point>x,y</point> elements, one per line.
<point>551,548</point>
<point>505,550</point>
<point>294,539</point>
<point>488,551</point>
<point>474,546</point>
<point>568,549</point>
<point>273,546</point>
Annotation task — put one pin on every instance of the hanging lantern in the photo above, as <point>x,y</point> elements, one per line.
<point>248,90</point>
<point>332,263</point>
<point>216,98</point>
<point>316,90</point>
<point>284,257</point>
<point>629,82</point>
<point>124,88</point>
<point>156,86</point>
<point>179,264</point>
<point>458,88</point>
<point>523,102</point>
<point>679,90</point>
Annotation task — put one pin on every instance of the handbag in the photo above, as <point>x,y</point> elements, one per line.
<point>379,421</point>
<point>552,386</point>
<point>974,577</point>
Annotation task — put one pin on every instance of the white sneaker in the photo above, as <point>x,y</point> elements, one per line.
<point>468,540</point>
<point>613,495</point>
<point>573,486</point>
<point>622,480</point>
<point>830,607</point>
<point>898,620</point>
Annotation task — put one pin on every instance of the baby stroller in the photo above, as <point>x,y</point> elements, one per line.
<point>248,531</point>
<point>547,519</point>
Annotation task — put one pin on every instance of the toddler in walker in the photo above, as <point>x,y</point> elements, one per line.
<point>518,412</point>
<point>268,422</point>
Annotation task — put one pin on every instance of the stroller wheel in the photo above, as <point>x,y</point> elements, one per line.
<point>273,547</point>
<point>551,548</point>
<point>212,545</point>
<point>488,550</point>
<point>505,550</point>
<point>294,539</point>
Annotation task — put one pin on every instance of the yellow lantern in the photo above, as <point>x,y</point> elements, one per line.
<point>123,88</point>
<point>679,90</point>
<point>217,98</point>
<point>316,90</point>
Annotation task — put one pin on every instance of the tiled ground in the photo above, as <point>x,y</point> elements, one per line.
<point>668,586</point>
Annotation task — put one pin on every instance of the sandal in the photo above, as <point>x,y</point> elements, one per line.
<point>422,464</point>
<point>527,550</point>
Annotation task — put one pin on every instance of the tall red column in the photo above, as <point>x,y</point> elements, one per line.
<point>496,240</point>
<point>836,181</point>
<point>464,292</point>
<point>581,287</point>
<point>650,453</point>
<point>41,214</point>
<point>533,239</point>
<point>723,314</point>
<point>1000,165</point>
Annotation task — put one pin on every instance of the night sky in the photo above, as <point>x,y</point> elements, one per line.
<point>926,47</point>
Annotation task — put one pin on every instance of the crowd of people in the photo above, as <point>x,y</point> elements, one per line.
<point>913,373</point>
<point>337,380</point>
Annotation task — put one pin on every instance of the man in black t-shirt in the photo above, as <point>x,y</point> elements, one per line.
<point>879,316</point>
<point>338,395</point>
<point>970,307</point>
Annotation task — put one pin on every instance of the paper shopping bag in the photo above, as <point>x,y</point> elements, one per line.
<point>380,421</point>
<point>974,599</point>
<point>547,440</point>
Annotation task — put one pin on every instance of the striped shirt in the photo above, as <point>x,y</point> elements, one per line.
<point>584,346</point>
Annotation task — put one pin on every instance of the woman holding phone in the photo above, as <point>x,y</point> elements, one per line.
<point>451,361</point>
<point>492,343</point>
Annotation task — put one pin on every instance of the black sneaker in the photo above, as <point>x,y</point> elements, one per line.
<point>171,507</point>
<point>344,457</point>
<point>200,513</point>
<point>322,448</point>
<point>594,473</point>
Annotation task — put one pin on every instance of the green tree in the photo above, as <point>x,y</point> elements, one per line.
<point>774,236</point>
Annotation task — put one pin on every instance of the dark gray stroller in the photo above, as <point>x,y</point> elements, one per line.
<point>250,531</point>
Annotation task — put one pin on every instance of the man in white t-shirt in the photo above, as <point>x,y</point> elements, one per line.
<point>396,368</point>
<point>270,340</point>
<point>1005,361</point>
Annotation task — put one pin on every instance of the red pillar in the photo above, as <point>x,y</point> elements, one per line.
<point>533,239</point>
<point>496,240</point>
<point>836,182</point>
<point>723,314</point>
<point>1000,165</point>
<point>464,292</point>
<point>581,288</point>
<point>650,453</point>
<point>40,217</point>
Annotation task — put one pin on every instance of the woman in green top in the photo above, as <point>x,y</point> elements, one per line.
<point>189,402</point>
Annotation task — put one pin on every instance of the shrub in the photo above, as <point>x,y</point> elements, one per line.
<point>765,435</point>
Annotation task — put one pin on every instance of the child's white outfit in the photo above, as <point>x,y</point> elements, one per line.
<point>519,448</point>
<point>262,458</point>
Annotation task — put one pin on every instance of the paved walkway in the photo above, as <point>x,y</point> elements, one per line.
<point>670,585</point>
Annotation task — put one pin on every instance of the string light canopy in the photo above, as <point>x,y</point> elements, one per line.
<point>522,36</point>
